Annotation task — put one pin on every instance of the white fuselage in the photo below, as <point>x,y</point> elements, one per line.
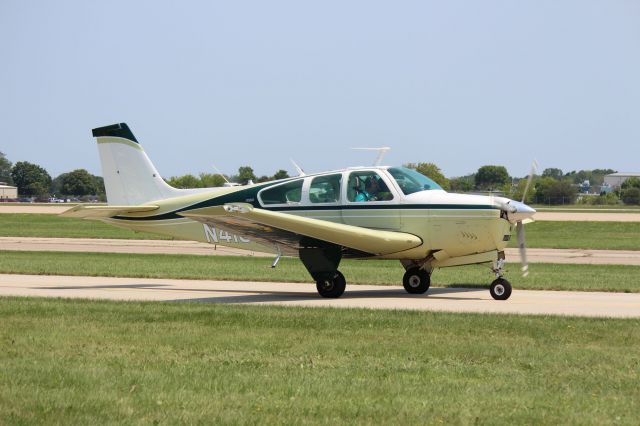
<point>457,226</point>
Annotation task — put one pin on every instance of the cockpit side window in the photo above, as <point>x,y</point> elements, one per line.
<point>325,189</point>
<point>287,193</point>
<point>367,185</point>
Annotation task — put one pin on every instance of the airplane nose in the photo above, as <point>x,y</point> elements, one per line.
<point>519,211</point>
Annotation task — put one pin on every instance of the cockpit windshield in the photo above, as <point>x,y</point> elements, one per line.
<point>411,181</point>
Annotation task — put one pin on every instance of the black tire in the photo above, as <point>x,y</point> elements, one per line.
<point>500,289</point>
<point>332,287</point>
<point>416,281</point>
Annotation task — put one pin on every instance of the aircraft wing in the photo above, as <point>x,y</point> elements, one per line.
<point>100,212</point>
<point>293,231</point>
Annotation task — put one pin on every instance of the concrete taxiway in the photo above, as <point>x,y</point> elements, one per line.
<point>586,304</point>
<point>534,255</point>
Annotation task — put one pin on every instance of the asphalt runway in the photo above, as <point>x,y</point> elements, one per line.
<point>534,255</point>
<point>585,304</point>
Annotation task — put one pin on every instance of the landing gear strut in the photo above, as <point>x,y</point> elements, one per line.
<point>500,288</point>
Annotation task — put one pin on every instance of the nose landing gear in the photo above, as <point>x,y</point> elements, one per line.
<point>500,288</point>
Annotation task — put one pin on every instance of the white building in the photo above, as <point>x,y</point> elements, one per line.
<point>7,191</point>
<point>614,180</point>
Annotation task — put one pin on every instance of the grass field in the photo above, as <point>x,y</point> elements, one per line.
<point>618,278</point>
<point>618,208</point>
<point>54,226</point>
<point>100,362</point>
<point>585,235</point>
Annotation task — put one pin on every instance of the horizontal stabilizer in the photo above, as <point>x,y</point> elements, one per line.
<point>100,212</point>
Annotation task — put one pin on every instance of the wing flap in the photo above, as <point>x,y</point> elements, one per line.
<point>264,222</point>
<point>100,212</point>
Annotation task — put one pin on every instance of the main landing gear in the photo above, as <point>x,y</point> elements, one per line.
<point>322,263</point>
<point>332,285</point>
<point>416,280</point>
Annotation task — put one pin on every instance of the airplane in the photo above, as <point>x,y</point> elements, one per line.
<point>321,218</point>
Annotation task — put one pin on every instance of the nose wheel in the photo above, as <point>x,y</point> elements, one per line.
<point>500,289</point>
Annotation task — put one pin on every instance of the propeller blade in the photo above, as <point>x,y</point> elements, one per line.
<point>534,168</point>
<point>523,248</point>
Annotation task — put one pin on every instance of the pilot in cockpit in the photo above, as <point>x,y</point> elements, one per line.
<point>371,190</point>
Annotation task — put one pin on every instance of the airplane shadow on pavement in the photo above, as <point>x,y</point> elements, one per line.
<point>264,296</point>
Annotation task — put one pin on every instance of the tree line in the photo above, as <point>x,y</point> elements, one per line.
<point>553,186</point>
<point>35,183</point>
<point>209,180</point>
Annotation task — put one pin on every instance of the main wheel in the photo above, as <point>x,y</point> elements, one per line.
<point>332,287</point>
<point>500,289</point>
<point>416,281</point>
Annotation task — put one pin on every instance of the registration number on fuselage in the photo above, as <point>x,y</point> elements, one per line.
<point>220,236</point>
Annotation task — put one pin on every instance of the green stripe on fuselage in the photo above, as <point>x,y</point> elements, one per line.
<point>228,198</point>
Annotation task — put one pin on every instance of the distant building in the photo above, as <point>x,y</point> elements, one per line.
<point>7,191</point>
<point>614,180</point>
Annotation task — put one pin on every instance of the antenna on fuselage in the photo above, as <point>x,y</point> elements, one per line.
<point>226,181</point>
<point>381,152</point>
<point>298,168</point>
<point>220,173</point>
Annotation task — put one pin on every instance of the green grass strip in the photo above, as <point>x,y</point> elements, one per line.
<point>54,226</point>
<point>100,362</point>
<point>621,208</point>
<point>617,278</point>
<point>582,235</point>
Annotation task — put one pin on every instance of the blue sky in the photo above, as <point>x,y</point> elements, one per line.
<point>458,83</point>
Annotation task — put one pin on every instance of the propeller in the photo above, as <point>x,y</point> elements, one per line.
<point>534,168</point>
<point>520,226</point>
<point>518,213</point>
<point>523,248</point>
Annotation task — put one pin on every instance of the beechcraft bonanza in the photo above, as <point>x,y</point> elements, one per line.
<point>373,212</point>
